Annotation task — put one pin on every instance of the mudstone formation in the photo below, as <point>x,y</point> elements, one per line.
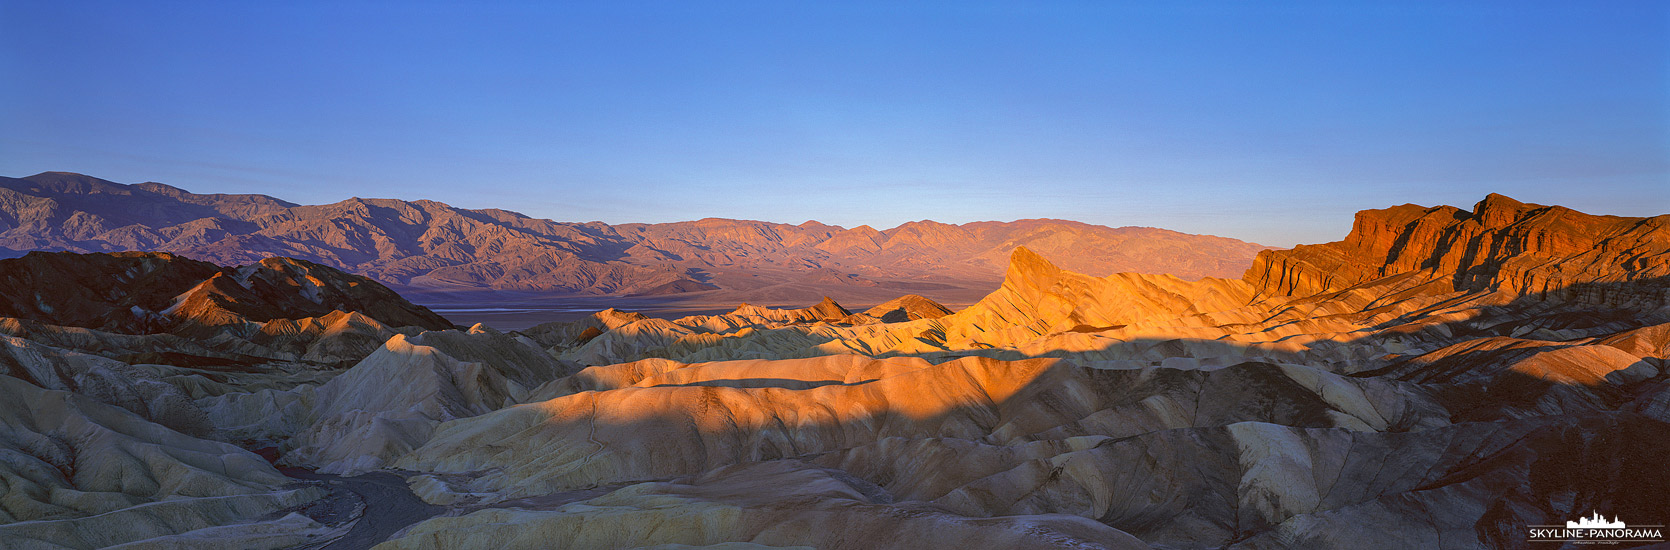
<point>1441,378</point>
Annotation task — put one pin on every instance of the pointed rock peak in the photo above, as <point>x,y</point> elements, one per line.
<point>1500,200</point>
<point>344,318</point>
<point>613,318</point>
<point>1024,255</point>
<point>398,342</point>
<point>1027,267</point>
<point>1499,210</point>
<point>828,308</point>
<point>482,328</point>
<point>909,307</point>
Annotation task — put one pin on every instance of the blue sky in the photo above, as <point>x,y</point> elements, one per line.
<point>1269,122</point>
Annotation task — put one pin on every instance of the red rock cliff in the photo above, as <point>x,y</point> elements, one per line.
<point>1502,244</point>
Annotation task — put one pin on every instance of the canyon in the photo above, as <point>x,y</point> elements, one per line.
<point>1440,378</point>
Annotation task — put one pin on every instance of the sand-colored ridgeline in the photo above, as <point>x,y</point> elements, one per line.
<point>1442,378</point>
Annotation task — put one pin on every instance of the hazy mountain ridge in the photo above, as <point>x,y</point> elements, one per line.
<point>426,244</point>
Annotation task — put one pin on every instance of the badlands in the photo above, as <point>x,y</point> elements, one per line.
<point>1441,378</point>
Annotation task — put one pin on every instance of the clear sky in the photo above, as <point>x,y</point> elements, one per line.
<point>1269,122</point>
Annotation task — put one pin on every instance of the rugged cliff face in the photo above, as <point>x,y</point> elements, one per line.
<point>1501,245</point>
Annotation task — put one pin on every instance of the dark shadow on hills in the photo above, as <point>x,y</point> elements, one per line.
<point>1576,447</point>
<point>1534,470</point>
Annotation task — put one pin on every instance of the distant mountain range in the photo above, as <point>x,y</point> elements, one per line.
<point>426,247</point>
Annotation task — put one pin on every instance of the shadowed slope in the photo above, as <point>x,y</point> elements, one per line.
<point>148,292</point>
<point>75,473</point>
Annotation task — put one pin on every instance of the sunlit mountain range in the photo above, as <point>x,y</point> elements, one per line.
<point>430,247</point>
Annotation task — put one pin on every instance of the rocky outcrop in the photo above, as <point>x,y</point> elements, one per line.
<point>285,288</point>
<point>120,292</point>
<point>909,307</point>
<point>1037,298</point>
<point>1501,245</point>
<point>154,292</point>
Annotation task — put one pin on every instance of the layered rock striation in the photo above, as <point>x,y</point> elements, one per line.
<point>1501,245</point>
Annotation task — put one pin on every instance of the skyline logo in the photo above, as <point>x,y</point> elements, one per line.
<point>1596,522</point>
<point>1596,529</point>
